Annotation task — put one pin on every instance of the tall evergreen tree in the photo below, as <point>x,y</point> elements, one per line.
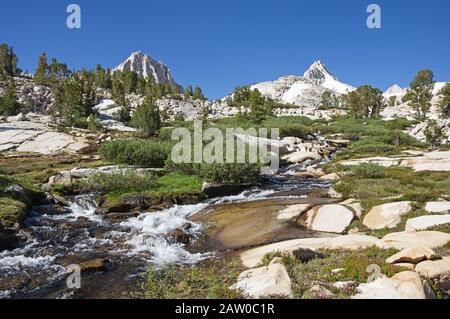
<point>188,92</point>
<point>8,62</point>
<point>420,93</point>
<point>198,94</point>
<point>129,81</point>
<point>118,93</point>
<point>147,117</point>
<point>79,97</point>
<point>40,75</point>
<point>8,103</point>
<point>444,102</point>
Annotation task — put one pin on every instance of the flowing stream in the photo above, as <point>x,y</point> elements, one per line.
<point>38,269</point>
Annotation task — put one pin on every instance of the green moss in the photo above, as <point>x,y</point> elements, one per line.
<point>173,184</point>
<point>208,281</point>
<point>11,212</point>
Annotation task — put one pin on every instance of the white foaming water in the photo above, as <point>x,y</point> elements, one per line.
<point>5,294</point>
<point>84,206</point>
<point>149,229</point>
<point>15,263</point>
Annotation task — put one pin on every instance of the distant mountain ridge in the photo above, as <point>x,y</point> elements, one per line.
<point>304,90</point>
<point>145,66</point>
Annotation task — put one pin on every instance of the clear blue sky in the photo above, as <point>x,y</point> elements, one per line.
<point>219,44</point>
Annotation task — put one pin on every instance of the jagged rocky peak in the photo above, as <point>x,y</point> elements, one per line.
<point>394,90</point>
<point>318,73</point>
<point>145,66</point>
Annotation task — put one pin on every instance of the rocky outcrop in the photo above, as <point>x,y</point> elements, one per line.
<point>328,218</point>
<point>404,240</point>
<point>431,161</point>
<point>293,211</point>
<point>32,137</point>
<point>386,215</point>
<point>438,207</point>
<point>426,222</point>
<point>438,271</point>
<point>404,285</point>
<point>271,281</point>
<point>412,255</point>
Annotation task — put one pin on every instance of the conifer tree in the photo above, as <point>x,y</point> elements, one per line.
<point>444,102</point>
<point>198,94</point>
<point>8,103</point>
<point>420,93</point>
<point>188,92</point>
<point>40,76</point>
<point>8,62</point>
<point>365,102</point>
<point>147,117</point>
<point>79,97</point>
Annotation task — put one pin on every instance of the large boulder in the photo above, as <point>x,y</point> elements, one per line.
<point>299,157</point>
<point>404,285</point>
<point>412,255</point>
<point>386,215</point>
<point>270,281</point>
<point>354,205</point>
<point>328,218</point>
<point>438,270</point>
<point>438,207</point>
<point>403,240</point>
<point>293,211</point>
<point>425,222</point>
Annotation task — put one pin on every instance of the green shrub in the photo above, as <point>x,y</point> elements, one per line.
<point>370,146</point>
<point>147,153</point>
<point>178,282</point>
<point>123,182</point>
<point>228,173</point>
<point>368,170</point>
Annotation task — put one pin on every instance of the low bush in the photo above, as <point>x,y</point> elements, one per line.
<point>146,153</point>
<point>368,170</point>
<point>122,182</point>
<point>226,173</point>
<point>204,281</point>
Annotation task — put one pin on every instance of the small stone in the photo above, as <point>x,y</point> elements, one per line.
<point>320,292</point>
<point>305,255</point>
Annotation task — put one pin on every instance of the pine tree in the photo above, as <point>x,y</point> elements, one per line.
<point>57,72</point>
<point>444,102</point>
<point>79,97</point>
<point>147,118</point>
<point>420,93</point>
<point>365,102</point>
<point>40,76</point>
<point>8,62</point>
<point>8,103</point>
<point>118,93</point>
<point>100,76</point>
<point>198,94</point>
<point>188,92</point>
<point>129,81</point>
<point>328,100</point>
<point>434,134</point>
<point>258,108</point>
